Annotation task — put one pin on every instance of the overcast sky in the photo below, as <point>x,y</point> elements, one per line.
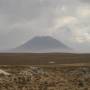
<point>66,20</point>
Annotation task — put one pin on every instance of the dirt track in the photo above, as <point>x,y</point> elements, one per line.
<point>42,59</point>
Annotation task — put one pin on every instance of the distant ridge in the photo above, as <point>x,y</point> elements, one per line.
<point>42,44</point>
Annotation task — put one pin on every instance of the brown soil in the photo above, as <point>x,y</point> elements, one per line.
<point>42,59</point>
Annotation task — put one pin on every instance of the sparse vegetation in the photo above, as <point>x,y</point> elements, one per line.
<point>45,78</point>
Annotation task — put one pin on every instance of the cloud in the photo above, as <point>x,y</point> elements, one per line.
<point>85,1</point>
<point>84,11</point>
<point>29,18</point>
<point>81,36</point>
<point>63,21</point>
<point>78,21</point>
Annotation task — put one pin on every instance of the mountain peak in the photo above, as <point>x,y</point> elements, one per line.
<point>41,44</point>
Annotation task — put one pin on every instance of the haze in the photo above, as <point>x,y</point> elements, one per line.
<point>66,20</point>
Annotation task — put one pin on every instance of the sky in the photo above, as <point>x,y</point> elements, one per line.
<point>65,20</point>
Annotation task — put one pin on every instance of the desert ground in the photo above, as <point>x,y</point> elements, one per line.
<point>42,58</point>
<point>27,77</point>
<point>46,71</point>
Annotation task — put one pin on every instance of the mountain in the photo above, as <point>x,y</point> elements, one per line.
<point>42,44</point>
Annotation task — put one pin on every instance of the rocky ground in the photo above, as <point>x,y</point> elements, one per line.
<point>44,77</point>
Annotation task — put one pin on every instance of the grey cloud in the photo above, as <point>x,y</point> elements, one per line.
<point>20,20</point>
<point>20,8</point>
<point>85,1</point>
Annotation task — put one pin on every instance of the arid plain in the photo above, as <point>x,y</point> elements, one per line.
<point>42,58</point>
<point>46,71</point>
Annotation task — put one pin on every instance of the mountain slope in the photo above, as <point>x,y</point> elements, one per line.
<point>42,44</point>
